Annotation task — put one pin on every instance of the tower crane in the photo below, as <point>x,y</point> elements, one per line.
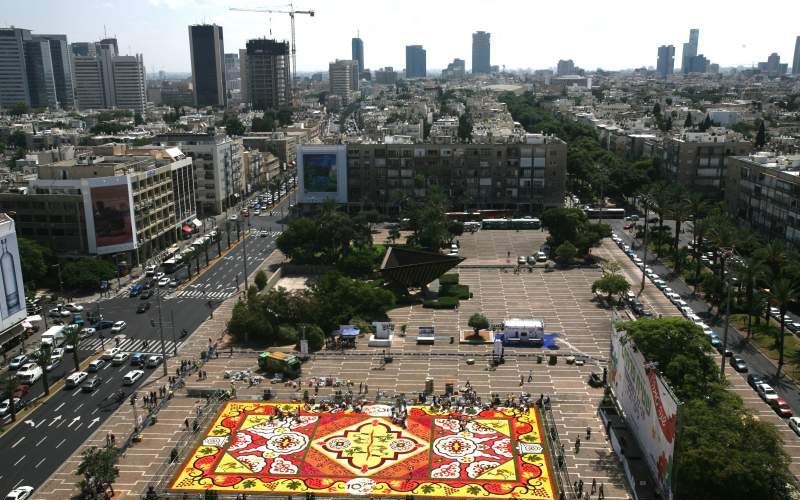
<point>291,13</point>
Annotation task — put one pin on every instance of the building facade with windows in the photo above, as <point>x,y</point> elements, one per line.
<point>697,160</point>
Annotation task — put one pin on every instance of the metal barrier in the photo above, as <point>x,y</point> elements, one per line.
<point>557,451</point>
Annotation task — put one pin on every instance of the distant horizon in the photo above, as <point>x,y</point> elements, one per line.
<point>523,36</point>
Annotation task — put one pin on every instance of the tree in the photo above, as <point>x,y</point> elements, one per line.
<point>18,139</point>
<point>315,337</point>
<point>338,298</point>
<point>591,235</point>
<point>465,127</point>
<point>749,271</point>
<point>264,124</point>
<point>248,324</point>
<point>285,116</point>
<point>43,358</point>
<point>234,127</point>
<point>782,292</point>
<point>260,279</point>
<point>18,109</point>
<point>562,224</point>
<point>688,123</point>
<point>428,222</point>
<point>478,322</point>
<point>86,273</point>
<point>72,337</point>
<point>657,109</point>
<point>761,135</point>
<point>360,261</point>
<point>611,284</point>
<point>10,384</point>
<point>138,120</point>
<point>99,470</point>
<point>566,253</point>
<point>33,260</point>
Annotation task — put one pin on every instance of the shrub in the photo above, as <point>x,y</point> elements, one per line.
<point>315,338</point>
<point>441,303</point>
<point>261,279</point>
<point>448,279</point>
<point>286,335</point>
<point>460,292</point>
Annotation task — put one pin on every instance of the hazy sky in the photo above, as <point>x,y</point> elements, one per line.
<point>611,34</point>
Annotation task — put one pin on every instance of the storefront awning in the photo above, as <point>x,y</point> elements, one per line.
<point>187,228</point>
<point>196,223</point>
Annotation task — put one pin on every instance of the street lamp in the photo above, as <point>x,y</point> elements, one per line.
<point>727,253</point>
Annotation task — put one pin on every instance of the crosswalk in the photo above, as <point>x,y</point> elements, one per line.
<point>256,233</point>
<point>130,345</point>
<point>199,294</point>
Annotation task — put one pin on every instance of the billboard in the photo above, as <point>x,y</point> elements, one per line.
<point>110,222</point>
<point>12,301</point>
<point>322,172</point>
<point>649,406</point>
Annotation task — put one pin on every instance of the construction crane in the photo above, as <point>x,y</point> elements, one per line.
<point>291,13</point>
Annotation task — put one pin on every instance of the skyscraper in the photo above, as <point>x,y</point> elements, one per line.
<point>267,70</point>
<point>666,61</point>
<point>342,80</point>
<point>41,82</point>
<point>416,61</point>
<point>481,53</point>
<point>106,80</point>
<point>565,67</point>
<point>358,53</point>
<point>208,65</point>
<point>129,83</point>
<point>690,50</point>
<point>796,58</point>
<point>62,68</point>
<point>14,88</point>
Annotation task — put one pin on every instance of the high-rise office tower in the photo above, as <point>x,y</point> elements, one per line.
<point>82,48</point>
<point>666,61</point>
<point>416,62</point>
<point>268,64</point>
<point>565,67</point>
<point>41,82</point>
<point>481,53</point>
<point>129,77</point>
<point>108,80</point>
<point>690,50</point>
<point>110,44</point>
<point>358,53</point>
<point>208,65</point>
<point>14,87</point>
<point>243,74</point>
<point>454,70</point>
<point>341,76</point>
<point>796,58</point>
<point>62,68</point>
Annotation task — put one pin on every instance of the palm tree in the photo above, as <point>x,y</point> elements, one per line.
<point>699,231</point>
<point>43,359</point>
<point>680,211</point>
<point>783,291</point>
<point>647,202</point>
<point>749,272</point>
<point>72,337</point>
<point>774,256</point>
<point>10,384</point>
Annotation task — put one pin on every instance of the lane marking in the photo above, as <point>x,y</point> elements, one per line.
<point>20,482</point>
<point>76,391</point>
<point>62,442</point>
<point>94,411</point>
<point>78,426</point>
<point>40,441</point>
<point>40,423</point>
<point>59,407</point>
<point>40,463</point>
<point>18,442</point>
<point>78,408</point>
<point>18,461</point>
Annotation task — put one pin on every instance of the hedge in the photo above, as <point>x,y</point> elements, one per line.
<point>448,279</point>
<point>458,291</point>
<point>441,303</point>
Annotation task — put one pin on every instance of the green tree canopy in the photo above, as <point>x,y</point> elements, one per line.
<point>339,298</point>
<point>86,273</point>
<point>566,253</point>
<point>234,127</point>
<point>563,224</point>
<point>33,260</point>
<point>478,322</point>
<point>611,285</point>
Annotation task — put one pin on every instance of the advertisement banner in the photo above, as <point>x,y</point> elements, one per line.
<point>110,215</point>
<point>649,406</point>
<point>12,302</point>
<point>322,173</point>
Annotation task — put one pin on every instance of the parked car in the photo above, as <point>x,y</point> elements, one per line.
<point>57,312</point>
<point>738,364</point>
<point>119,326</point>
<point>143,307</point>
<point>29,373</point>
<point>75,380</point>
<point>163,282</point>
<point>92,384</point>
<point>17,362</point>
<point>754,380</point>
<point>75,308</point>
<point>781,407</point>
<point>541,256</point>
<point>150,270</point>
<point>630,225</point>
<point>521,260</point>
<point>5,406</point>
<point>96,365</point>
<point>131,377</point>
<point>767,393</point>
<point>794,424</point>
<point>159,275</point>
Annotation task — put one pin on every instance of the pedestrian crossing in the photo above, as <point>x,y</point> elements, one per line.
<point>256,233</point>
<point>130,345</point>
<point>199,294</point>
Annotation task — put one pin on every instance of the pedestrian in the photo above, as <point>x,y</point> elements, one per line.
<point>186,423</point>
<point>113,439</point>
<point>577,445</point>
<point>366,388</point>
<point>600,493</point>
<point>521,380</point>
<point>360,387</point>
<point>580,487</point>
<point>588,432</point>
<point>108,439</point>
<point>594,486</point>
<point>530,375</point>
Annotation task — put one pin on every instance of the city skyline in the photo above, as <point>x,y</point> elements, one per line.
<point>727,37</point>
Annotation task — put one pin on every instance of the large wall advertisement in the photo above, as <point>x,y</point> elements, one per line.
<point>650,407</point>
<point>12,300</point>
<point>108,202</point>
<point>322,173</point>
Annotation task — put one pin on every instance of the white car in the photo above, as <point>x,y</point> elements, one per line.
<point>794,424</point>
<point>58,352</point>
<point>54,361</point>
<point>109,354</point>
<point>163,281</point>
<point>680,303</point>
<point>75,379</point>
<point>20,493</point>
<point>29,373</point>
<point>59,313</point>
<point>153,361</point>
<point>119,326</point>
<point>87,332</point>
<point>18,362</point>
<point>5,406</point>
<point>150,270</point>
<point>120,358</point>
<point>767,393</point>
<point>541,256</point>
<point>131,377</point>
<point>73,307</point>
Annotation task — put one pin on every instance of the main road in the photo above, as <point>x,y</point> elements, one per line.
<point>46,437</point>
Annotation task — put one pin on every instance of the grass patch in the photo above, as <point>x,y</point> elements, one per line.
<point>765,336</point>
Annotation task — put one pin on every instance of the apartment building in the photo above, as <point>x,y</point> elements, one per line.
<point>526,174</point>
<point>697,160</point>
<point>763,191</point>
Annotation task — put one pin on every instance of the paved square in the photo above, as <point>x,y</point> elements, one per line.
<point>294,448</point>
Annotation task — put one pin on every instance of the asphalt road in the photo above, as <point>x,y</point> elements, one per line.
<point>36,447</point>
<point>757,363</point>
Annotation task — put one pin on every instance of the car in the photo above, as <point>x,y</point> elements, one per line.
<point>541,256</point>
<point>794,326</point>
<point>781,407</point>
<point>630,225</point>
<point>75,380</point>
<point>86,332</point>
<point>233,218</point>
<point>29,373</point>
<point>738,364</point>
<point>119,326</point>
<point>754,380</point>
<point>672,296</point>
<point>766,392</point>
<point>75,308</point>
<point>131,377</point>
<point>138,358</point>
<point>775,311</point>
<point>96,365</point>
<point>5,406</point>
<point>17,362</point>
<point>153,361</point>
<point>54,362</point>
<point>163,282</point>
<point>19,392</point>
<point>652,220</point>
<point>120,358</point>
<point>92,384</point>
<point>20,493</point>
<point>149,270</point>
<point>136,290</point>
<point>173,283</point>
<point>794,424</point>
<point>57,312</point>
<point>147,285</point>
<point>143,307</point>
<point>263,233</point>
<point>521,260</point>
<point>715,340</point>
<point>159,275</point>
<point>680,303</point>
<point>109,354</point>
<point>103,324</point>
<point>146,294</point>
<point>256,212</point>
<point>660,284</point>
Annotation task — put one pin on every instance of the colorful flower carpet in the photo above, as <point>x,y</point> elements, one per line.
<point>491,454</point>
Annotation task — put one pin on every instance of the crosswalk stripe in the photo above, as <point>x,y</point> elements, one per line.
<point>131,345</point>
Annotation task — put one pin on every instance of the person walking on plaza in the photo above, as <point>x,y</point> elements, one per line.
<point>601,495</point>
<point>588,432</point>
<point>577,445</point>
<point>594,486</point>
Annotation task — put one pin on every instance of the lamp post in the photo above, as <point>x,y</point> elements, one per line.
<point>727,253</point>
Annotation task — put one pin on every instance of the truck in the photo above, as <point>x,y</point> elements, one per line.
<point>54,336</point>
<point>279,362</point>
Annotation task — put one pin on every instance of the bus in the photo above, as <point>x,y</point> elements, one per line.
<point>605,213</point>
<point>526,224</point>
<point>496,224</point>
<point>171,265</point>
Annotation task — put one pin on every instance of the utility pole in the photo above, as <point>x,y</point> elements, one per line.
<point>174,340</point>
<point>161,334</point>
<point>727,253</point>
<point>244,261</point>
